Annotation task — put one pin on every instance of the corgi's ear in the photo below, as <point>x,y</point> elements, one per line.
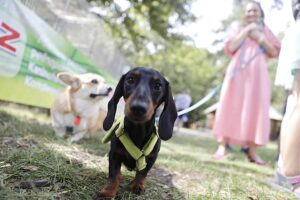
<point>70,79</point>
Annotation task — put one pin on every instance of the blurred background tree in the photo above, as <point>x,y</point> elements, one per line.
<point>144,25</point>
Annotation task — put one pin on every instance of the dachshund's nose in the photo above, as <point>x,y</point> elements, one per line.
<point>138,108</point>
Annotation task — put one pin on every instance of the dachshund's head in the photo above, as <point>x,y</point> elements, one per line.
<point>144,89</point>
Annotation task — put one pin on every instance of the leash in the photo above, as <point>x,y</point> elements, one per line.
<point>215,90</point>
<point>201,101</point>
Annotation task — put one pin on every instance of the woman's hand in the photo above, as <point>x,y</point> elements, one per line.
<point>252,27</point>
<point>257,36</point>
<point>252,30</point>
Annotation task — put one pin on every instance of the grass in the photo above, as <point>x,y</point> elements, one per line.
<point>29,153</point>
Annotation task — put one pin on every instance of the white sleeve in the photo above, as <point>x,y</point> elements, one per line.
<point>289,57</point>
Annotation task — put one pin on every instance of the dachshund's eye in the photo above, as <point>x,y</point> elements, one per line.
<point>94,81</point>
<point>157,86</point>
<point>130,80</point>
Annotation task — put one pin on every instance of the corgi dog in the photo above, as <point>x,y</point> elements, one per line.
<point>76,111</point>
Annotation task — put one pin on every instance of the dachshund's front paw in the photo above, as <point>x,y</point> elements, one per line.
<point>105,194</point>
<point>136,188</point>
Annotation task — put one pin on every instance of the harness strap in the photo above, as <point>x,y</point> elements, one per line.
<point>133,150</point>
<point>109,133</point>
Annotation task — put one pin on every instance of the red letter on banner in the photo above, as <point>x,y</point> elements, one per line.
<point>4,40</point>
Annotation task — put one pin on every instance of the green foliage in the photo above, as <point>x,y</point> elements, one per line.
<point>144,20</point>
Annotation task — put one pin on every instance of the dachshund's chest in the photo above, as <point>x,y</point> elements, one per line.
<point>128,160</point>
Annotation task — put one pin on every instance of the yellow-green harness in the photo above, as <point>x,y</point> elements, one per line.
<point>133,150</point>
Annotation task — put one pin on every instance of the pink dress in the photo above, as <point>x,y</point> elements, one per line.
<point>243,112</point>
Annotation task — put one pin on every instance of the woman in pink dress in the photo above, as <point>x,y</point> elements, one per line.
<point>242,116</point>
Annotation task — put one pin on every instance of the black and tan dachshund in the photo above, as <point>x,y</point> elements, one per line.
<point>144,90</point>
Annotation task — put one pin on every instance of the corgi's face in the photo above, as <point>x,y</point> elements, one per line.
<point>85,86</point>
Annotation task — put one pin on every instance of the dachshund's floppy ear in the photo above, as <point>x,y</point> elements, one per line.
<point>168,116</point>
<point>112,105</point>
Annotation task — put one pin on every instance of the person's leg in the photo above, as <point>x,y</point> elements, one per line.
<point>221,151</point>
<point>253,156</point>
<point>290,135</point>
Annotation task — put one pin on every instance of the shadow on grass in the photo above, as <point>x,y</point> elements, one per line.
<point>30,153</point>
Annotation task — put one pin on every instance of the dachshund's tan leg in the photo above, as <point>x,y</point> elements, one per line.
<point>111,188</point>
<point>137,185</point>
